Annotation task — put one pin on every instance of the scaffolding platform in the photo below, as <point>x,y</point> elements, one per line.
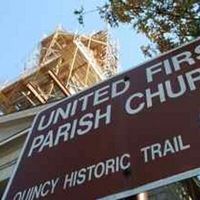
<point>66,63</point>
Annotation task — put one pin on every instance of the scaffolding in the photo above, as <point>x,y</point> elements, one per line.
<point>65,64</point>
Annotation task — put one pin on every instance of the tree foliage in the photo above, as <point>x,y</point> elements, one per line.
<point>167,23</point>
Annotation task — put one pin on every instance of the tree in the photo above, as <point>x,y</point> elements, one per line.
<point>167,23</point>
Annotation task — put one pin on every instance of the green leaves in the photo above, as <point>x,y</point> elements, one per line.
<point>167,23</point>
<point>79,13</point>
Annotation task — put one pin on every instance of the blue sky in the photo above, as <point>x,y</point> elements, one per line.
<point>23,24</point>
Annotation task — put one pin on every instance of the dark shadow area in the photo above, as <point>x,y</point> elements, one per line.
<point>3,187</point>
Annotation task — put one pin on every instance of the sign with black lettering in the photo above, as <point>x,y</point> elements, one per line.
<point>132,133</point>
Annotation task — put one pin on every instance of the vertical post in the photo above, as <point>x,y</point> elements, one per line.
<point>88,65</point>
<point>72,66</point>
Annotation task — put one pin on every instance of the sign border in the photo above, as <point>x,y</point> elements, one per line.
<point>149,186</point>
<point>153,185</point>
